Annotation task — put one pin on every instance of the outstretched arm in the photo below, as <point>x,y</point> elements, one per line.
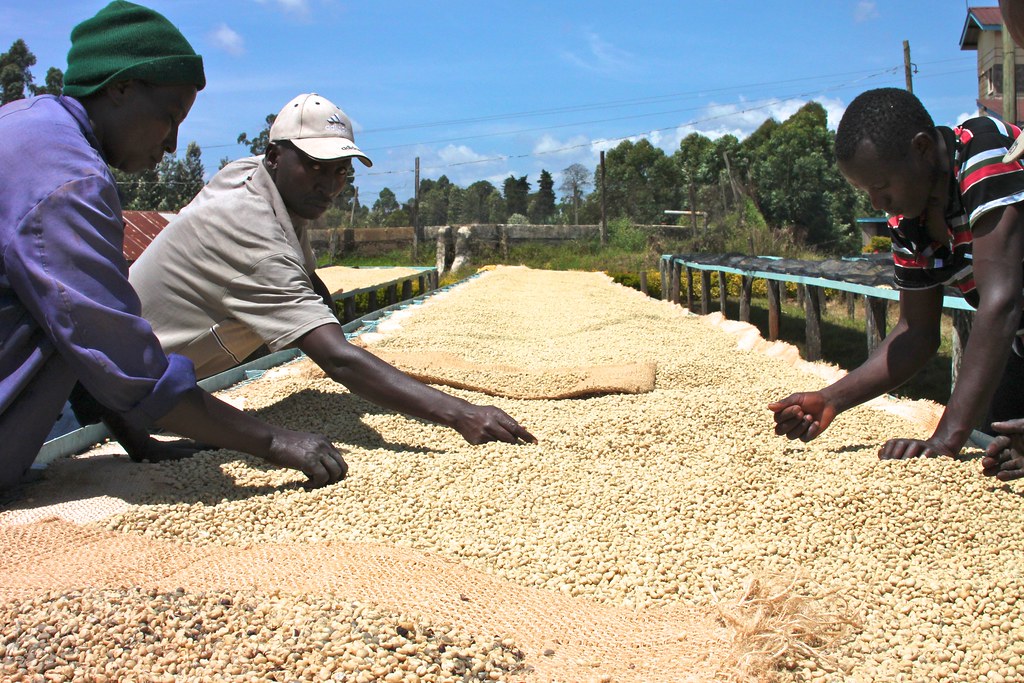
<point>387,386</point>
<point>200,416</point>
<point>998,251</point>
<point>901,354</point>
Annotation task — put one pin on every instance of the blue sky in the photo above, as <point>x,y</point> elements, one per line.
<point>479,90</point>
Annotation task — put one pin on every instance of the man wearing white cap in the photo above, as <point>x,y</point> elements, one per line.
<point>234,271</point>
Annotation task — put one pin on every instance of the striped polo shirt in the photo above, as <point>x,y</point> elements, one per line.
<point>980,182</point>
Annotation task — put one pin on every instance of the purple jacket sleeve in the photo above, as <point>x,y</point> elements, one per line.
<point>66,265</point>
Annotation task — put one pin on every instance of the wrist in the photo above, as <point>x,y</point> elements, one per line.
<point>952,438</point>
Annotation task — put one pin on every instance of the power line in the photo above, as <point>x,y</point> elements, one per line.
<point>613,103</point>
<point>763,104</point>
<point>595,106</point>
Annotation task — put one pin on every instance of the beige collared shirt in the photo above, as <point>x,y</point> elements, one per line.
<point>230,273</point>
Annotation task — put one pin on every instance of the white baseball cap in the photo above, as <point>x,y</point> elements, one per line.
<point>318,127</point>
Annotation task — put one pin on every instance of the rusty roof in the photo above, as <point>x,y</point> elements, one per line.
<point>979,19</point>
<point>140,228</point>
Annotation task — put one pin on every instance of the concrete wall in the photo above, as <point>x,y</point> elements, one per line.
<point>372,241</point>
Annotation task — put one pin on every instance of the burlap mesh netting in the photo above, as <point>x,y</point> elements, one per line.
<point>515,382</point>
<point>658,536</point>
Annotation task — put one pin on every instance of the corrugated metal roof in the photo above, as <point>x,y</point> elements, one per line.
<point>140,228</point>
<point>979,19</point>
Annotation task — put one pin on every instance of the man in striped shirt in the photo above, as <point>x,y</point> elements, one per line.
<point>957,221</point>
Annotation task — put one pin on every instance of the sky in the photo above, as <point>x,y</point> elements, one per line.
<point>481,90</point>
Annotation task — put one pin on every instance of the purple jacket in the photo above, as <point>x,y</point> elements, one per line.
<point>67,311</point>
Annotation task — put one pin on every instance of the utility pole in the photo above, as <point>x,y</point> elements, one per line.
<point>604,215</point>
<point>416,214</point>
<point>1009,79</point>
<point>907,66</point>
<point>355,201</point>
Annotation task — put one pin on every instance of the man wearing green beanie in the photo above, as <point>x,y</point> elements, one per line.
<point>67,310</point>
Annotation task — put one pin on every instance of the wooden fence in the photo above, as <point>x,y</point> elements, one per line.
<point>675,271</point>
<point>399,289</point>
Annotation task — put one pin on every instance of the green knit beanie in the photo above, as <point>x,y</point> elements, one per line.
<point>124,42</point>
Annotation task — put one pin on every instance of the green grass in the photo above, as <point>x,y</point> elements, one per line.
<point>843,340</point>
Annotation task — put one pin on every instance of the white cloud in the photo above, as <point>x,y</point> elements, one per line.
<point>865,10</point>
<point>741,119</point>
<point>599,56</point>
<point>459,154</point>
<point>228,40</point>
<point>299,8</point>
<point>551,146</point>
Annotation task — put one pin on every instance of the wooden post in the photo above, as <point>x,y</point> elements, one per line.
<point>372,305</point>
<point>662,264</point>
<point>349,307</point>
<point>746,284</point>
<point>851,305</point>
<point>643,281</point>
<point>422,282</point>
<point>689,289</point>
<point>416,214</point>
<point>392,294</point>
<point>812,315</point>
<point>962,322</point>
<point>332,245</point>
<point>907,68</point>
<point>604,215</point>
<point>874,327</point>
<point>676,270</point>
<point>774,309</point>
<point>1009,78</point>
<point>503,240</point>
<point>705,292</point>
<point>406,289</point>
<point>723,292</point>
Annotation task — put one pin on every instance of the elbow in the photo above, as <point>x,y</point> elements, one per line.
<point>1000,314</point>
<point>931,342</point>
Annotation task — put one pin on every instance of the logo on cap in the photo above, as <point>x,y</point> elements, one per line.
<point>335,124</point>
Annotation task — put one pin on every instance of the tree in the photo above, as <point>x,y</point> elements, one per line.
<point>168,187</point>
<point>517,195</point>
<point>183,179</point>
<point>457,213</point>
<point>16,76</point>
<point>640,182</point>
<point>542,204</point>
<point>477,202</point>
<point>385,205</point>
<point>54,83</point>
<point>796,181</point>
<point>433,209</point>
<point>258,144</point>
<point>696,159</point>
<point>575,180</point>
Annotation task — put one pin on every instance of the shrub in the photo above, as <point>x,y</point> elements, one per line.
<point>624,235</point>
<point>878,245</point>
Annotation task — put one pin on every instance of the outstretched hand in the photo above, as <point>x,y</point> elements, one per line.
<point>312,454</point>
<point>904,449</point>
<point>802,416</point>
<point>483,424</point>
<point>1004,457</point>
